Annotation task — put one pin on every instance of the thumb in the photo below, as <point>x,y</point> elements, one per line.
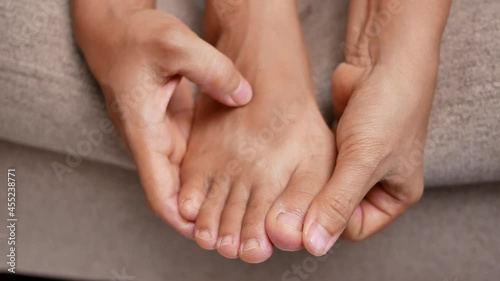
<point>213,72</point>
<point>384,203</point>
<point>332,208</point>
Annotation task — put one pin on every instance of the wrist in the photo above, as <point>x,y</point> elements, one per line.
<point>99,28</point>
<point>392,31</point>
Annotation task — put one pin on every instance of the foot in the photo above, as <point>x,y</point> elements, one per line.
<point>251,169</point>
<point>383,96</point>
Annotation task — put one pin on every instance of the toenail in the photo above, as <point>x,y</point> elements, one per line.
<point>226,240</point>
<point>204,234</point>
<point>320,239</point>
<point>291,220</point>
<point>249,245</point>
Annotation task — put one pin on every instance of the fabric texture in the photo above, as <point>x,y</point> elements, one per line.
<point>94,223</point>
<point>96,226</point>
<point>50,101</point>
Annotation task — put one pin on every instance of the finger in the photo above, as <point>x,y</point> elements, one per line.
<point>380,207</point>
<point>210,70</point>
<point>157,158</point>
<point>160,179</point>
<point>181,106</point>
<point>332,208</point>
<point>342,82</point>
<point>356,46</point>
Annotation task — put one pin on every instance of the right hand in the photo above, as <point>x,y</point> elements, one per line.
<point>139,58</point>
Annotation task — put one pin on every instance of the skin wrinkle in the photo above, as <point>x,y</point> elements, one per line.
<point>136,55</point>
<point>278,155</point>
<point>386,83</point>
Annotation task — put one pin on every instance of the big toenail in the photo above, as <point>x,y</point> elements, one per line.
<point>291,220</point>
<point>249,245</point>
<point>204,234</point>
<point>320,239</point>
<point>226,240</point>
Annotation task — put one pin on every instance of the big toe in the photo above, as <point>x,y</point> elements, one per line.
<point>284,222</point>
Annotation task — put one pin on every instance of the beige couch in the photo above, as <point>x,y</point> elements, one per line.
<point>93,222</point>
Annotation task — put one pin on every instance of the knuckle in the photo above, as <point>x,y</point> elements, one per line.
<point>172,38</point>
<point>336,207</point>
<point>416,193</point>
<point>409,191</point>
<point>365,153</point>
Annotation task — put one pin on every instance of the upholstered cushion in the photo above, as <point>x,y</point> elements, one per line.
<point>49,100</point>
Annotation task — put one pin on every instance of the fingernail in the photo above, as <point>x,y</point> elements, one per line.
<point>226,240</point>
<point>203,234</point>
<point>243,94</point>
<point>320,239</point>
<point>291,220</point>
<point>249,245</point>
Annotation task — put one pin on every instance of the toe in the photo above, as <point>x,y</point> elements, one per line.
<point>255,245</point>
<point>231,220</point>
<point>207,222</point>
<point>192,194</point>
<point>284,221</point>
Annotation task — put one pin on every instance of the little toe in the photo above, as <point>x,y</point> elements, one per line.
<point>207,222</point>
<point>284,222</point>
<point>192,194</point>
<point>231,220</point>
<point>255,245</point>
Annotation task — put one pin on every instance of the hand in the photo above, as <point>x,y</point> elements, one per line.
<point>383,96</point>
<point>139,57</point>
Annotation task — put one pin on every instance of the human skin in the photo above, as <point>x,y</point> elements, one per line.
<point>142,59</point>
<point>239,161</point>
<point>382,95</point>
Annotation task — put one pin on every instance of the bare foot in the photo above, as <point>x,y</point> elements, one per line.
<point>249,170</point>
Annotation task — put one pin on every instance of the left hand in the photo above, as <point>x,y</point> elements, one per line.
<point>380,139</point>
<point>383,95</point>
